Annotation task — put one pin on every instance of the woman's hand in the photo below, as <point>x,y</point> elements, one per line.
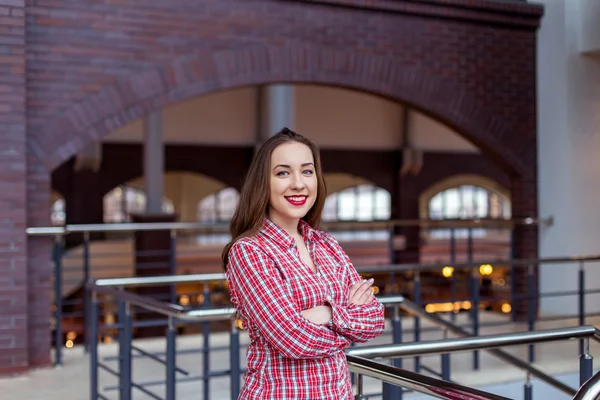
<point>319,315</point>
<point>361,293</point>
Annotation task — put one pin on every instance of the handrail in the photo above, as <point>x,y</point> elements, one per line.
<point>414,309</point>
<point>474,343</point>
<point>589,390</point>
<point>172,279</point>
<point>371,368</point>
<point>211,228</point>
<point>167,309</point>
<point>415,381</point>
<point>159,280</point>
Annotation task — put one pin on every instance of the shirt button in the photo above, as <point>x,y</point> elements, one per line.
<point>328,298</point>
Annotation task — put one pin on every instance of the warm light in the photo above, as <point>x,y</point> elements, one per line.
<point>71,335</point>
<point>448,307</point>
<point>238,324</point>
<point>375,289</point>
<point>184,300</point>
<point>200,298</point>
<point>69,344</point>
<point>486,269</point>
<point>109,318</point>
<point>506,308</point>
<point>447,271</point>
<point>108,339</point>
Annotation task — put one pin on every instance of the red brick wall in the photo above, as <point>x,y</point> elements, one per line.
<point>13,190</point>
<point>93,66</point>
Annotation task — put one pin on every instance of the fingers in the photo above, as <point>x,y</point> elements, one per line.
<point>361,293</point>
<point>366,296</point>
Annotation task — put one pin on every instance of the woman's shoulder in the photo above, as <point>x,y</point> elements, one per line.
<point>326,237</point>
<point>248,242</point>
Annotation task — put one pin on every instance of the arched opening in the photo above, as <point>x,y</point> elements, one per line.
<point>218,207</point>
<point>465,197</point>
<point>58,215</point>
<point>125,200</point>
<point>364,202</point>
<point>359,201</point>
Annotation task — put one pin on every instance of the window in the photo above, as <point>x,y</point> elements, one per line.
<point>124,200</point>
<point>57,214</point>
<point>359,203</point>
<point>219,206</point>
<point>467,202</point>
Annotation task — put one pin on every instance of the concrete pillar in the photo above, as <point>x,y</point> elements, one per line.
<point>154,165</point>
<point>275,109</point>
<point>568,149</point>
<point>158,242</point>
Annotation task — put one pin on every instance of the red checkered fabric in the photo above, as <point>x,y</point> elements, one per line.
<point>290,357</point>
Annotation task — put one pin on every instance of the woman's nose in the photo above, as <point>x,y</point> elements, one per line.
<point>297,182</point>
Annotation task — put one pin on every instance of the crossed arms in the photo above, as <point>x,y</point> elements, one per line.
<point>318,332</point>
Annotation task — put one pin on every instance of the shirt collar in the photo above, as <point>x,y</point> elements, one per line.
<point>279,236</point>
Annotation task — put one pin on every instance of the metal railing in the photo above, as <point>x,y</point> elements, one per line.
<point>590,390</point>
<point>417,269</point>
<point>490,343</point>
<point>338,225</point>
<point>67,278</point>
<point>412,380</point>
<point>176,313</point>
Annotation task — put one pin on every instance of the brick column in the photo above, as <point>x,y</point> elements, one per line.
<point>524,204</point>
<point>84,204</point>
<point>14,356</point>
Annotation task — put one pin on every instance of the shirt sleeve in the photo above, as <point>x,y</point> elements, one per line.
<point>262,299</point>
<point>359,323</point>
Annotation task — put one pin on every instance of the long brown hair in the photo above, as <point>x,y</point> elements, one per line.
<point>253,205</point>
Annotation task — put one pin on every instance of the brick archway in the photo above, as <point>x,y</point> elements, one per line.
<point>127,100</point>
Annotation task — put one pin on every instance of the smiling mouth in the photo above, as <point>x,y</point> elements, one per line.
<point>297,200</point>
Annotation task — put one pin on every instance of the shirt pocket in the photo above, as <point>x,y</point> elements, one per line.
<point>306,291</point>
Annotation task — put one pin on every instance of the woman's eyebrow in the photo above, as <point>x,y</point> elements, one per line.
<point>287,166</point>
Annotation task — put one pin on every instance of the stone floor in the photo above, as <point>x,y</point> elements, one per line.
<point>71,381</point>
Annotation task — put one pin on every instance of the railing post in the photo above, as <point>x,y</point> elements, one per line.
<point>417,292</point>
<point>475,312</point>
<point>94,348</point>
<point>393,392</point>
<point>86,278</point>
<point>513,271</point>
<point>173,264</point>
<point>58,334</point>
<point>586,363</point>
<point>359,389</point>
<point>234,361</point>
<point>531,309</point>
<point>171,359</point>
<point>581,298</point>
<point>446,361</point>
<point>125,350</point>
<point>453,280</point>
<point>528,389</point>
<point>206,346</point>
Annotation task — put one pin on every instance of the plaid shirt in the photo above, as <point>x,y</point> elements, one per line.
<point>290,357</point>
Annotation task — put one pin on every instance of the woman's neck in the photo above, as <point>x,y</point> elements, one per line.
<point>289,226</point>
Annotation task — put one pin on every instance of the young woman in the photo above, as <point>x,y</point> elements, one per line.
<point>295,290</point>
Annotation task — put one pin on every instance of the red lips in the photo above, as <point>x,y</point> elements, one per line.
<point>296,200</point>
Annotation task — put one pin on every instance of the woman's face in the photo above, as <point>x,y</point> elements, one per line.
<point>293,183</point>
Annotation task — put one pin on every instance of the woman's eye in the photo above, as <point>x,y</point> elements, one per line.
<point>308,172</point>
<point>281,173</point>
